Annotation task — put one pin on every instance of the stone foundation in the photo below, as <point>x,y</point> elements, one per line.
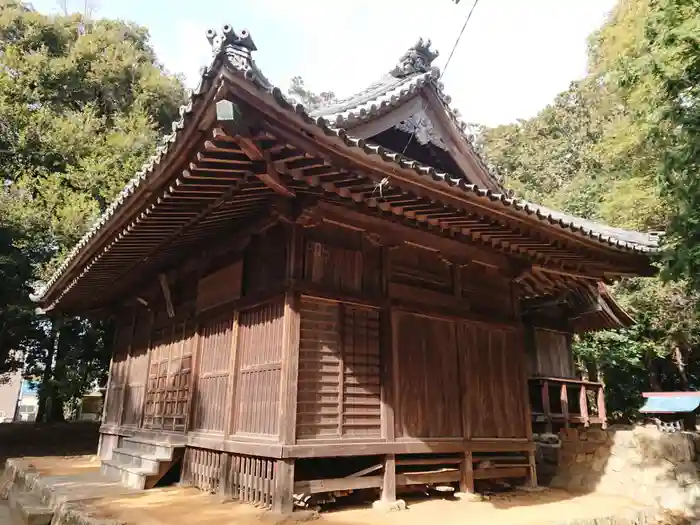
<point>641,463</point>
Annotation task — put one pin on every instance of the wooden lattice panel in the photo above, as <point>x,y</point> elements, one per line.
<point>170,367</point>
<point>361,372</point>
<point>202,468</point>
<point>250,480</point>
<point>215,349</point>
<point>259,370</point>
<point>339,371</point>
<point>319,401</point>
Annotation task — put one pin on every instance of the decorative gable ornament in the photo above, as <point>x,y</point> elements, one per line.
<point>237,48</point>
<point>421,127</point>
<point>417,59</point>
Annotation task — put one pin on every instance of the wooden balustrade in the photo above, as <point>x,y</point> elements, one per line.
<point>578,402</point>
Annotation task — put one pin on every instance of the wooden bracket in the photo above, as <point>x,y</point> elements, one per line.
<point>166,295</point>
<point>236,125</point>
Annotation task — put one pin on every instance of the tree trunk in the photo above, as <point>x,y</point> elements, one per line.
<point>45,387</point>
<point>652,368</point>
<point>678,360</point>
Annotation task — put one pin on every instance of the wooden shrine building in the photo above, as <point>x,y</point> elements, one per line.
<point>341,299</point>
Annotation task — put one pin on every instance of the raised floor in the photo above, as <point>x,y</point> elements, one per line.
<point>175,506</point>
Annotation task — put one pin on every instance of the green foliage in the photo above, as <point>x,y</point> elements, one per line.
<point>82,105</point>
<point>299,92</point>
<point>621,146</point>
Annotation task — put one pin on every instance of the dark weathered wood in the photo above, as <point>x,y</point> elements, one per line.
<point>502,473</point>
<point>583,403</point>
<point>546,405</point>
<point>466,479</point>
<point>428,478</point>
<point>336,484</point>
<point>602,414</point>
<point>259,370</point>
<point>564,398</point>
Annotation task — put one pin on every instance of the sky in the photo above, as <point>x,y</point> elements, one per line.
<point>514,57</point>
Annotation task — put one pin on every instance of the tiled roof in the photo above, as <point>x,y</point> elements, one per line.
<point>233,50</point>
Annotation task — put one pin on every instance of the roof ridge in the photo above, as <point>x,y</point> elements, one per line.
<point>236,48</point>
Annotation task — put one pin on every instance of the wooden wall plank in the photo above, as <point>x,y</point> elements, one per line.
<point>259,369</point>
<point>215,343</point>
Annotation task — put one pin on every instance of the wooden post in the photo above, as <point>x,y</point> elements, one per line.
<point>389,481</point>
<point>583,402</point>
<point>466,478</point>
<point>290,370</point>
<point>565,404</point>
<point>532,462</point>
<point>224,468</point>
<point>282,498</point>
<point>602,414</point>
<point>230,401</point>
<point>545,405</point>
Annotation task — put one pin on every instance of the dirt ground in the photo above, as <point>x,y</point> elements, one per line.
<point>188,506</point>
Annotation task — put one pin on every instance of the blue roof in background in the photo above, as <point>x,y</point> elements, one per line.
<point>670,404</point>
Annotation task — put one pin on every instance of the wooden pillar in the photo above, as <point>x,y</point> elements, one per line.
<point>564,397</point>
<point>583,402</point>
<point>602,414</point>
<point>282,498</point>
<point>389,481</point>
<point>466,478</point>
<point>232,378</point>
<point>546,409</point>
<point>290,369</point>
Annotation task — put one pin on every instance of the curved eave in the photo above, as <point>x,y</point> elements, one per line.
<point>246,80</point>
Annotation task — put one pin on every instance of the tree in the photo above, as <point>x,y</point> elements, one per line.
<point>620,146</point>
<point>310,100</point>
<point>82,104</point>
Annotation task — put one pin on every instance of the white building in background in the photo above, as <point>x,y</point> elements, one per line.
<point>9,397</point>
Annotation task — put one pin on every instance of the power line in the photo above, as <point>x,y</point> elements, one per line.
<point>449,59</point>
<point>454,48</point>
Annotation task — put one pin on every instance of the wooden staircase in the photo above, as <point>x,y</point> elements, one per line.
<point>140,463</point>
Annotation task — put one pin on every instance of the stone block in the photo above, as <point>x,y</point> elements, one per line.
<point>469,497</point>
<point>597,435</point>
<point>389,506</point>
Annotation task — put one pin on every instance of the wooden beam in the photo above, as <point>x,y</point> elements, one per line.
<point>403,233</point>
<point>428,478</point>
<point>169,308</point>
<point>235,125</point>
<point>316,486</point>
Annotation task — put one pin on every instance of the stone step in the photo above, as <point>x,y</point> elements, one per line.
<point>137,458</point>
<point>128,475</point>
<point>28,509</point>
<point>159,449</point>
